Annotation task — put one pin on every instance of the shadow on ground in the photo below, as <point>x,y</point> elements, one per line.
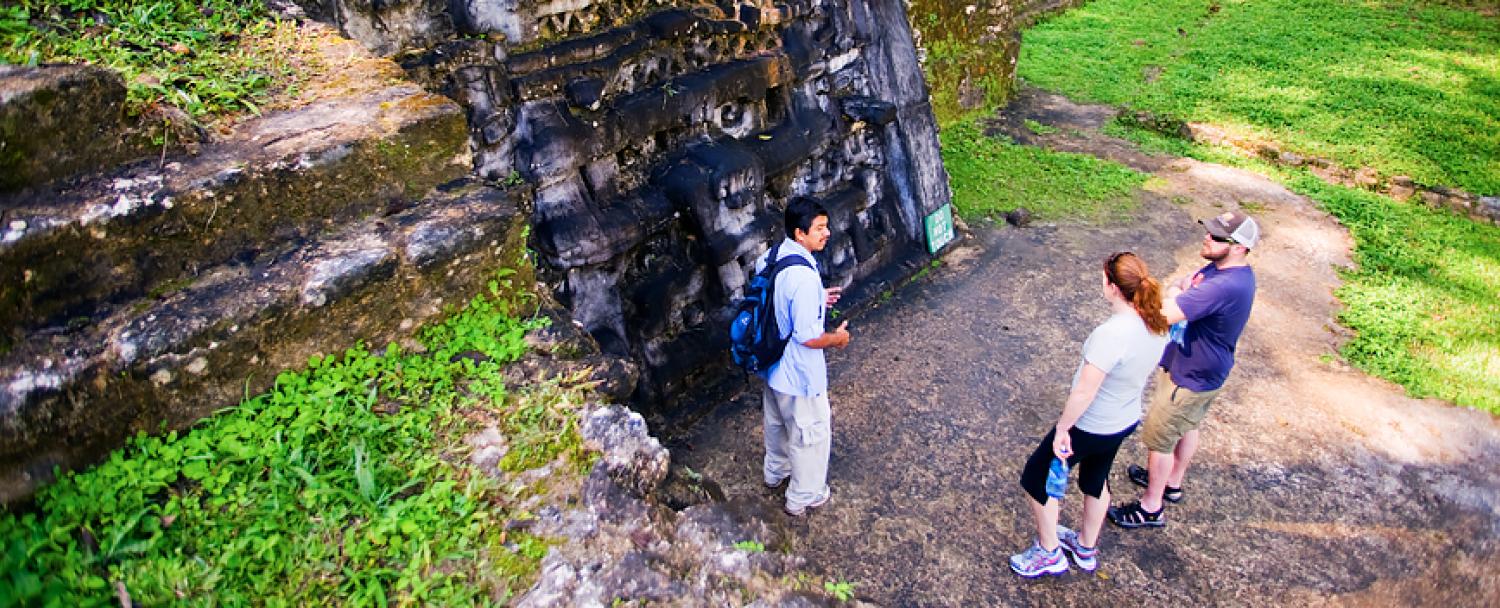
<point>1316,484</point>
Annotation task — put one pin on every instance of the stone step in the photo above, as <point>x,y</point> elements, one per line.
<point>58,120</point>
<point>66,398</point>
<point>71,254</point>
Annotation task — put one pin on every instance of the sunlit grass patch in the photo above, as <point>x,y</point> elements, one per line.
<point>206,58</point>
<point>1424,300</point>
<point>991,175</point>
<point>1473,366</point>
<point>1373,83</point>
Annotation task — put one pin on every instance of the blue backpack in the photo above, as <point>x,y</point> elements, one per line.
<point>754,340</point>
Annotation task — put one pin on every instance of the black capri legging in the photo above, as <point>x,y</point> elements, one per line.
<point>1093,455</point>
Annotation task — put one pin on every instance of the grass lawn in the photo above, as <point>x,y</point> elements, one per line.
<point>1407,87</point>
<point>207,58</point>
<point>1425,297</point>
<point>991,175</point>
<point>342,485</point>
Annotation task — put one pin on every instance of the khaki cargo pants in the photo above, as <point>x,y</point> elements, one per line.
<point>799,437</point>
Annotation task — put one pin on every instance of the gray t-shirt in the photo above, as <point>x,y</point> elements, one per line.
<point>1127,352</point>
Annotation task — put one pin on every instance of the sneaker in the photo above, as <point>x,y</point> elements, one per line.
<point>1086,557</point>
<point>777,485</point>
<point>812,505</point>
<point>1142,478</point>
<point>1133,515</point>
<point>1037,561</point>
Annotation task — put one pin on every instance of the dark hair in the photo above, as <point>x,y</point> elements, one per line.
<point>800,213</point>
<point>1128,272</point>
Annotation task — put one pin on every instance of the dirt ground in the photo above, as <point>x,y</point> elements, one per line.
<point>1315,484</point>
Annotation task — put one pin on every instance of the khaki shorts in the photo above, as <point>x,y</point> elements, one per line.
<point>1174,411</point>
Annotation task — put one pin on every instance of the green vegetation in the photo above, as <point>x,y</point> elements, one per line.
<point>750,546</point>
<point>1403,86</point>
<point>1422,299</point>
<point>841,590</point>
<point>958,47</point>
<point>1152,141</point>
<point>342,484</point>
<point>207,58</point>
<point>990,175</point>
<point>1039,128</point>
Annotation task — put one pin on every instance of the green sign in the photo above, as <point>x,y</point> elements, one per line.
<point>939,226</point>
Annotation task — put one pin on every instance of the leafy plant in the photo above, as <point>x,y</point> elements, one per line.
<point>929,267</point>
<point>338,484</point>
<point>841,590</point>
<point>207,58</point>
<point>750,546</point>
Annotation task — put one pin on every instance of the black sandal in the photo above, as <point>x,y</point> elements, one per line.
<point>1141,477</point>
<point>1133,515</point>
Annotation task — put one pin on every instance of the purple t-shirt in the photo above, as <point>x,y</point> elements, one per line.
<point>1216,308</point>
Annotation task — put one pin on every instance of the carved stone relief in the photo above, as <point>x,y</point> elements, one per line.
<point>662,138</point>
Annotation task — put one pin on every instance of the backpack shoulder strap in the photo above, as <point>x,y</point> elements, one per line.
<point>790,261</point>
<point>775,266</point>
<point>770,272</point>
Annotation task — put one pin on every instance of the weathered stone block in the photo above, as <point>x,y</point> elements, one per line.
<point>281,179</point>
<point>386,26</point>
<point>661,139</point>
<point>867,109</point>
<point>56,121</point>
<point>1489,206</point>
<point>66,399</point>
<point>631,456</point>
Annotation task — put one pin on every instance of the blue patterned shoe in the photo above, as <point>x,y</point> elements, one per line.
<point>1037,561</point>
<point>1086,557</point>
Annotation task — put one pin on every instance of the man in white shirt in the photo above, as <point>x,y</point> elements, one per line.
<point>798,420</point>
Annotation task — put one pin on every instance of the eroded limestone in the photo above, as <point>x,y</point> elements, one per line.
<point>233,329</point>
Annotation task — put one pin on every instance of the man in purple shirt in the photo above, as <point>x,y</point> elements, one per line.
<point>1214,305</point>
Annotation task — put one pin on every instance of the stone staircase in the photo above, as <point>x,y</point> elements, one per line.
<point>157,293</point>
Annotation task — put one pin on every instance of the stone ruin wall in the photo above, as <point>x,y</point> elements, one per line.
<point>643,149</point>
<point>661,138</point>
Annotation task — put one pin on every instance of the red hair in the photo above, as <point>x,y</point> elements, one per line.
<point>1128,272</point>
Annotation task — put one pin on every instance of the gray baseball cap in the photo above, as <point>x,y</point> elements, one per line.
<point>1235,226</point>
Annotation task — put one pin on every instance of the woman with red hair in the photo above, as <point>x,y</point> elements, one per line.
<point>1103,408</point>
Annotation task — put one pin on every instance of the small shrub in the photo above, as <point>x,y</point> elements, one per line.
<point>841,590</point>
<point>750,546</point>
<point>1039,128</point>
